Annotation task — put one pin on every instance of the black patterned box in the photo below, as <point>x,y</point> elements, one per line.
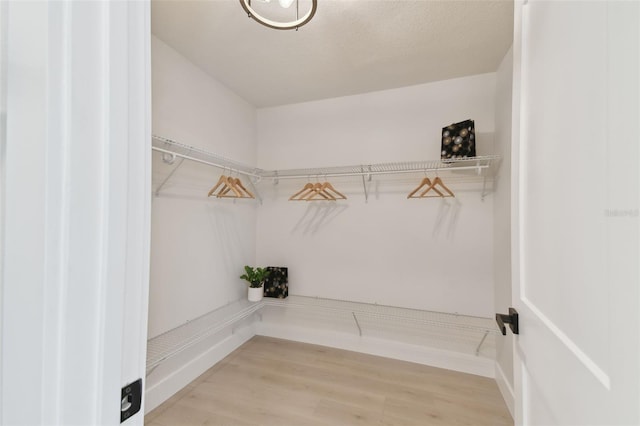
<point>277,283</point>
<point>458,140</point>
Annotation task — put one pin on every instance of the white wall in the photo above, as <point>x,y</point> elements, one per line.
<point>431,253</point>
<point>502,224</point>
<point>199,245</point>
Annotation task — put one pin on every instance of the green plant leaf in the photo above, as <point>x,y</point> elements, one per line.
<point>255,276</point>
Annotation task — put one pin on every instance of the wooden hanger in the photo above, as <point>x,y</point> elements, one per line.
<point>318,189</point>
<point>437,181</point>
<point>243,189</point>
<point>309,191</point>
<point>222,180</point>
<point>300,195</point>
<point>231,186</point>
<point>227,184</point>
<point>236,186</point>
<point>425,181</point>
<point>330,187</point>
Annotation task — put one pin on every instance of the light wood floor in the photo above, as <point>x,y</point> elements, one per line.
<point>282,383</point>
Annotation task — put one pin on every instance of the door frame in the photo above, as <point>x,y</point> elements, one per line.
<point>515,198</point>
<point>76,198</point>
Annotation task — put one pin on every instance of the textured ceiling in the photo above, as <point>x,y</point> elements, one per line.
<point>349,47</point>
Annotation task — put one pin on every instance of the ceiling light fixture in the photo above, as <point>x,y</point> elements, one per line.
<point>278,25</point>
<point>285,3</point>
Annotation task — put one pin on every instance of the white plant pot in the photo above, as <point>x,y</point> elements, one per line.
<point>255,294</point>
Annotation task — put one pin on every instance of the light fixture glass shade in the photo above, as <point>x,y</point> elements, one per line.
<point>285,3</point>
<point>290,25</point>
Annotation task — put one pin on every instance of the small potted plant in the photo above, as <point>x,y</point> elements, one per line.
<point>255,277</point>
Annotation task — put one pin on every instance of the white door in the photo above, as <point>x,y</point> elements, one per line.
<point>75,192</point>
<point>575,213</point>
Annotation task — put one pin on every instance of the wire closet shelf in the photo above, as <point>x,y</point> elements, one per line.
<point>173,148</point>
<point>462,333</point>
<point>388,313</point>
<point>173,342</point>
<point>176,340</point>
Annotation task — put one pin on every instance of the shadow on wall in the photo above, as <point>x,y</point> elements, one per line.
<point>447,218</point>
<point>317,215</point>
<point>227,224</point>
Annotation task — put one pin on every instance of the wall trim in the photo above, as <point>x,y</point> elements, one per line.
<point>185,372</point>
<point>505,389</point>
<point>380,347</point>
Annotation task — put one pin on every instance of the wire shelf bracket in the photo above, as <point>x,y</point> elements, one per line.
<point>355,318</point>
<point>166,179</point>
<point>364,182</point>
<point>185,152</point>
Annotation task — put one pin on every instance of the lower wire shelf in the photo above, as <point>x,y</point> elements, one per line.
<point>460,333</point>
<point>174,341</point>
<point>452,332</point>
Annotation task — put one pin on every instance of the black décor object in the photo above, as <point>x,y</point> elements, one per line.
<point>458,140</point>
<point>511,319</point>
<point>277,283</point>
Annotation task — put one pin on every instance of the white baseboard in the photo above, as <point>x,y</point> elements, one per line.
<point>164,383</point>
<point>505,388</point>
<point>386,348</point>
